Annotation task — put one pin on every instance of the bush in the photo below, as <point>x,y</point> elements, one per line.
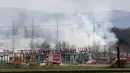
<point>17,65</point>
<point>33,64</point>
<point>123,63</point>
<point>54,63</point>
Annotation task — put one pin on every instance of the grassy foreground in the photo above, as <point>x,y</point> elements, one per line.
<point>55,68</point>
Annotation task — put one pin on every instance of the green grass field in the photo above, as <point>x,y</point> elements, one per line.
<point>55,68</point>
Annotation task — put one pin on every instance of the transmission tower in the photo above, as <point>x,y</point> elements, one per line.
<point>13,35</point>
<point>32,40</point>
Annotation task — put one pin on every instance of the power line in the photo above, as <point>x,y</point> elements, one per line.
<point>116,20</point>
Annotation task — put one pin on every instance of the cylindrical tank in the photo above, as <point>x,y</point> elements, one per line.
<point>20,59</point>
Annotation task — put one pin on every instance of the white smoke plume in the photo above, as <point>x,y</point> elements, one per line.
<point>81,34</point>
<point>78,29</point>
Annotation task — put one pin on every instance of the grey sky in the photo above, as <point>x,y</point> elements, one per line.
<point>68,5</point>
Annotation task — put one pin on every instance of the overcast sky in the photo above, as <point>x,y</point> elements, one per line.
<point>68,5</point>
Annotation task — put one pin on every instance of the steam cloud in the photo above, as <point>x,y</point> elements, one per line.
<point>78,29</point>
<point>81,34</point>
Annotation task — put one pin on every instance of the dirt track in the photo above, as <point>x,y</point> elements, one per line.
<point>95,65</point>
<point>90,65</point>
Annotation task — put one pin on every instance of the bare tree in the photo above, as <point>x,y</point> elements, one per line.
<point>62,45</point>
<point>95,50</point>
<point>111,47</point>
<point>111,50</point>
<point>96,47</point>
<point>45,45</point>
<point>35,45</point>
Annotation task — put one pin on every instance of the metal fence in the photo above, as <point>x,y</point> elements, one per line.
<point>68,56</point>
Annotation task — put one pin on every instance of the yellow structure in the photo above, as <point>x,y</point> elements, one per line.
<point>32,59</point>
<point>20,59</point>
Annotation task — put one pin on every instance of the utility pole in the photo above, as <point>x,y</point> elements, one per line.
<point>93,30</point>
<point>57,30</point>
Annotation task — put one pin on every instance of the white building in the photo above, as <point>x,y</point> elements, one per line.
<point>20,42</point>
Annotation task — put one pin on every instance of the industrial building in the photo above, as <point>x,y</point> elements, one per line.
<point>18,41</point>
